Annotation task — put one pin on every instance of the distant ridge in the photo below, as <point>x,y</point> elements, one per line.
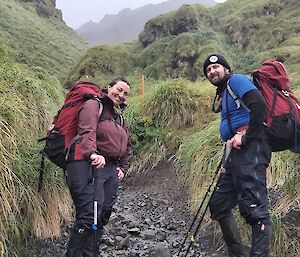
<point>127,24</point>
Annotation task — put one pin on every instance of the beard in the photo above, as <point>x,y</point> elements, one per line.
<point>221,84</point>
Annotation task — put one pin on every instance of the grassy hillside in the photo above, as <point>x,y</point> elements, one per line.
<point>247,33</point>
<point>101,64</point>
<point>38,40</point>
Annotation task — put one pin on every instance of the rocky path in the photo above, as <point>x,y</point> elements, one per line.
<point>151,219</point>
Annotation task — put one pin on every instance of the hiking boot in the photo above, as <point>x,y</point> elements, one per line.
<point>261,236</point>
<point>232,237</point>
<point>76,242</point>
<point>89,247</point>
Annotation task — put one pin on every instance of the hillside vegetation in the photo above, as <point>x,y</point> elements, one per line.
<point>176,44</point>
<point>171,120</point>
<point>36,33</point>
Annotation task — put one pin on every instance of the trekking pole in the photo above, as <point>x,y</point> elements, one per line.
<point>193,237</point>
<point>220,169</point>
<point>94,226</point>
<point>198,212</point>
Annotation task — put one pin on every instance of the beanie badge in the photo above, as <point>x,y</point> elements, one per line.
<point>213,59</point>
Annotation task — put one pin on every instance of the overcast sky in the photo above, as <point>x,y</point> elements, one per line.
<point>78,12</point>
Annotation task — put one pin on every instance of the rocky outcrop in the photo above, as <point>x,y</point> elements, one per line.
<point>189,18</point>
<point>45,8</point>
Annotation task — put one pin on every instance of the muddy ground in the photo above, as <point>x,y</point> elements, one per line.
<point>151,219</point>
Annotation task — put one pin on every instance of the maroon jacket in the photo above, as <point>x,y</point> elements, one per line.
<point>105,136</point>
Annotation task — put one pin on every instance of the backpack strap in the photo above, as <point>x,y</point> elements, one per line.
<point>121,120</point>
<point>233,95</point>
<point>238,102</point>
<point>73,141</point>
<point>228,116</point>
<point>100,106</point>
<point>219,108</point>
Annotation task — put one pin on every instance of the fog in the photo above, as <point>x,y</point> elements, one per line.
<point>78,12</point>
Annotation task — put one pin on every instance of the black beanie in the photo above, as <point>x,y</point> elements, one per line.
<point>215,58</point>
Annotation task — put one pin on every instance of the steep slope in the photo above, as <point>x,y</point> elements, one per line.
<point>262,29</point>
<point>38,36</point>
<point>127,24</point>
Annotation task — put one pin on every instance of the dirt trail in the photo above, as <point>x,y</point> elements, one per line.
<point>150,219</point>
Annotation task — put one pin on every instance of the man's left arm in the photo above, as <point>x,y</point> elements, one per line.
<point>256,104</point>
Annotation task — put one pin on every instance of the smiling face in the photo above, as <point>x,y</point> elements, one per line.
<point>216,72</point>
<point>119,92</point>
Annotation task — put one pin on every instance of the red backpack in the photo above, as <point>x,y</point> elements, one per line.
<point>283,107</point>
<point>62,133</point>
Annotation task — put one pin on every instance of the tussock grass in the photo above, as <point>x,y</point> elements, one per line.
<point>175,103</point>
<point>284,171</point>
<point>285,194</point>
<point>147,139</point>
<point>27,101</point>
<point>154,121</point>
<point>197,159</point>
<point>285,239</point>
<point>47,211</point>
<point>101,64</point>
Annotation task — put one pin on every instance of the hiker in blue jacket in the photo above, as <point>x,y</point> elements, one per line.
<point>244,182</point>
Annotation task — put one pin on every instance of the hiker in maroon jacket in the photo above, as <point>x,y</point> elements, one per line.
<point>101,156</point>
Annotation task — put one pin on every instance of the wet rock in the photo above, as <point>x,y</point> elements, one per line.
<point>148,234</point>
<point>121,242</point>
<point>161,235</point>
<point>134,231</point>
<point>159,250</point>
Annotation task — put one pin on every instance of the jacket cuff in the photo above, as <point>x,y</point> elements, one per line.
<point>244,140</point>
<point>94,152</point>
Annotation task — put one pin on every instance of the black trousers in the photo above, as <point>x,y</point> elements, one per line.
<point>244,184</point>
<point>82,188</point>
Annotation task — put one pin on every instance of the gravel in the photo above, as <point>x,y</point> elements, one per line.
<point>150,219</point>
